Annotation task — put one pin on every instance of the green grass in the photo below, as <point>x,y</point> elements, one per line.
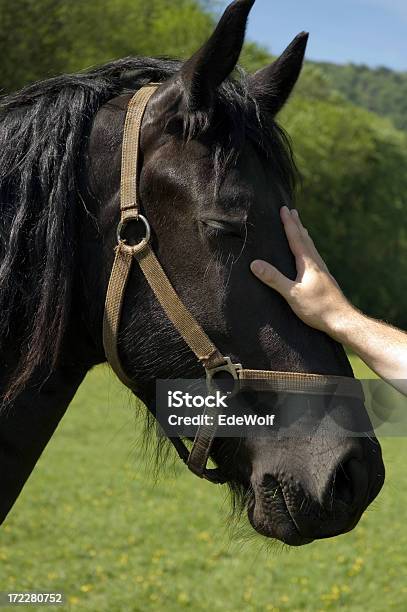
<point>93,523</point>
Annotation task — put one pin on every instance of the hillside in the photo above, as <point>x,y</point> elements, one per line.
<point>380,90</point>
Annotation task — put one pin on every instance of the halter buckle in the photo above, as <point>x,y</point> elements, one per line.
<point>231,368</point>
<point>122,242</point>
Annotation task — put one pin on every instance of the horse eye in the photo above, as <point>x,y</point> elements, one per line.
<point>225,228</point>
<point>175,125</point>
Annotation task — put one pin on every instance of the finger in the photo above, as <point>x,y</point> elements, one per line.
<point>301,242</point>
<point>297,219</point>
<point>312,249</point>
<point>294,236</point>
<point>272,277</point>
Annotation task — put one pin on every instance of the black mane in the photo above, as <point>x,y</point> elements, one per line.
<point>43,135</point>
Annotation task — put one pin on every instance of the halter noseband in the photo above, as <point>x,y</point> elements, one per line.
<point>187,326</point>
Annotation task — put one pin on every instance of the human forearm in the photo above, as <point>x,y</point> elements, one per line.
<point>382,347</point>
<point>317,299</point>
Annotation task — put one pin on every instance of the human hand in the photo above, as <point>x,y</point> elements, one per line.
<point>314,296</point>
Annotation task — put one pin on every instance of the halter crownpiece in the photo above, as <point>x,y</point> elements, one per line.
<point>207,353</point>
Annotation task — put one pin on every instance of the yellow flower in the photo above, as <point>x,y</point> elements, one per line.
<point>356,567</point>
<point>124,559</point>
<point>183,598</point>
<point>248,595</point>
<point>333,595</point>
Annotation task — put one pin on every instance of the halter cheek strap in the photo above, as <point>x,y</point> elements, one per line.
<point>142,253</point>
<point>206,352</point>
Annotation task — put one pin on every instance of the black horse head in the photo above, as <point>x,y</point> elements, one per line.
<point>216,169</point>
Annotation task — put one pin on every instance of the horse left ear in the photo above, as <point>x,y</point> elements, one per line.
<point>214,62</point>
<point>272,86</point>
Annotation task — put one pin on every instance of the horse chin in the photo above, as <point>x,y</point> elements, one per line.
<point>270,517</point>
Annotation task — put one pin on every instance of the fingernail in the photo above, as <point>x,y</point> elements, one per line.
<point>295,212</point>
<point>258,268</point>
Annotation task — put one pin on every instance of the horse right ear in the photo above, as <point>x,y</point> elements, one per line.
<point>272,86</point>
<point>214,62</point>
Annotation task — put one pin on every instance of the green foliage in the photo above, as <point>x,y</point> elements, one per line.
<point>315,85</point>
<point>353,163</point>
<point>42,38</point>
<point>381,90</point>
<point>255,57</point>
<point>354,198</point>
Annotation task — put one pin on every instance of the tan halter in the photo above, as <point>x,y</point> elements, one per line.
<point>206,352</point>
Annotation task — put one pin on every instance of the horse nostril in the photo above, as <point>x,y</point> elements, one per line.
<point>350,484</point>
<point>343,487</point>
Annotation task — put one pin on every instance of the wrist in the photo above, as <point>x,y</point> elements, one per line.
<point>342,322</point>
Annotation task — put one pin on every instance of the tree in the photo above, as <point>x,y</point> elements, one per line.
<point>354,197</point>
<point>41,38</point>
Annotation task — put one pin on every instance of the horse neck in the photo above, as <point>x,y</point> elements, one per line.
<point>26,426</point>
<point>28,423</point>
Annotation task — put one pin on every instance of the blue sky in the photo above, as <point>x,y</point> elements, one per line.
<point>372,32</point>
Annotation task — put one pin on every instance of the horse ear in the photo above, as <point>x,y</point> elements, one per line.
<point>272,86</point>
<point>210,66</point>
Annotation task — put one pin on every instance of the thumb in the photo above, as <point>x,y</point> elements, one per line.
<point>272,277</point>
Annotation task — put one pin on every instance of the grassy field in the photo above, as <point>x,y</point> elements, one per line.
<point>93,523</point>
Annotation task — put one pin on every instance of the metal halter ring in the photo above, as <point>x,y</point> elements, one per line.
<point>136,248</point>
<point>228,367</point>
